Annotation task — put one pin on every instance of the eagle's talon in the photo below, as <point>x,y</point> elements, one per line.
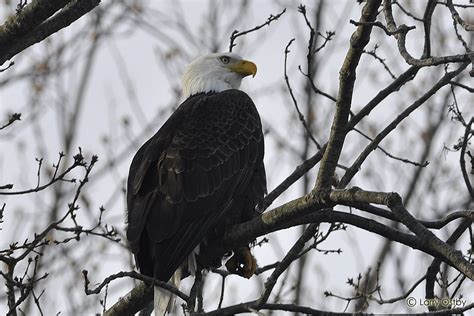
<point>242,263</point>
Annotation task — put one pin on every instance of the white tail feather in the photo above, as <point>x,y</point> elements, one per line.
<point>163,299</point>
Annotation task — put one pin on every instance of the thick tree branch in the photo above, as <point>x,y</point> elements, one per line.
<point>134,301</point>
<point>251,307</point>
<point>466,26</point>
<point>400,34</point>
<point>433,269</point>
<point>28,18</point>
<point>17,33</point>
<point>347,77</point>
<point>307,210</point>
<point>394,202</point>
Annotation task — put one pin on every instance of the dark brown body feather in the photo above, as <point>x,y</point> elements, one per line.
<point>202,171</point>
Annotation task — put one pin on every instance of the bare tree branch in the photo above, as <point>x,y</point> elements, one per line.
<point>347,75</point>
<point>235,34</point>
<point>32,25</point>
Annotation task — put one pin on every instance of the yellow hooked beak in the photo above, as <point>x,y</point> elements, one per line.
<point>245,68</point>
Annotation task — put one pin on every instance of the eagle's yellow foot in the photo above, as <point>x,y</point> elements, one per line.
<point>242,263</point>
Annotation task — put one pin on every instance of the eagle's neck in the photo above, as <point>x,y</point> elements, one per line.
<point>197,86</point>
<point>199,79</point>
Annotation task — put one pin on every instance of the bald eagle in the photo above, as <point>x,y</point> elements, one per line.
<point>199,174</point>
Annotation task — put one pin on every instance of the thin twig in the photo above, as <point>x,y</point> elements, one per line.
<point>417,164</point>
<point>373,53</point>
<point>235,34</point>
<point>131,274</point>
<point>78,162</point>
<point>356,166</point>
<point>13,118</point>
<point>467,135</point>
<point>469,89</point>
<point>295,103</point>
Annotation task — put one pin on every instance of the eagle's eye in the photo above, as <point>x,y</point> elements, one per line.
<point>225,59</point>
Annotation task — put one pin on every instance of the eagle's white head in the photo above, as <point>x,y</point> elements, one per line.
<point>216,72</point>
